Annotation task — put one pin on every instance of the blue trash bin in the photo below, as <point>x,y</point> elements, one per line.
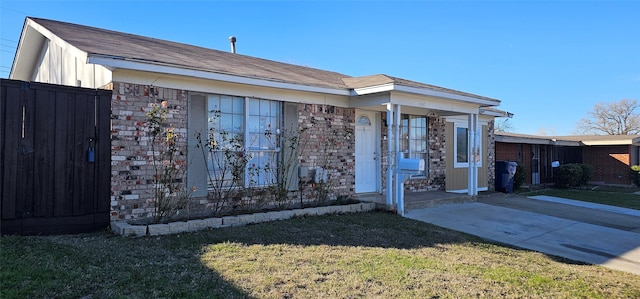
<point>505,171</point>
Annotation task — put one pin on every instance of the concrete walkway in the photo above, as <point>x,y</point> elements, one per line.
<point>580,231</point>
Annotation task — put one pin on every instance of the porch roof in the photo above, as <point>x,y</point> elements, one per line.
<point>380,83</point>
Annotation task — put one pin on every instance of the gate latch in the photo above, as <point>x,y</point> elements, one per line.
<point>91,152</point>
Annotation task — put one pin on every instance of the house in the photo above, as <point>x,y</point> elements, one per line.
<point>378,119</point>
<point>610,155</point>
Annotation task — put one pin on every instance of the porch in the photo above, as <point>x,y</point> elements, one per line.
<point>421,200</point>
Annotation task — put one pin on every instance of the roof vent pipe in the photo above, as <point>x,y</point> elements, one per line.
<point>232,40</point>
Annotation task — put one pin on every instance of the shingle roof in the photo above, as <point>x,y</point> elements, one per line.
<point>103,42</point>
<point>117,44</point>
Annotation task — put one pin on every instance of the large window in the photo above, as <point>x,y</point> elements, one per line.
<point>461,146</point>
<point>244,140</point>
<point>413,139</point>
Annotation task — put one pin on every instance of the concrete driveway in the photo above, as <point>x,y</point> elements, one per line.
<point>580,231</point>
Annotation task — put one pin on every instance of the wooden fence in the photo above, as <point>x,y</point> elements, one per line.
<point>54,158</point>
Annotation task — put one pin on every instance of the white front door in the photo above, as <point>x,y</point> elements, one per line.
<point>367,176</point>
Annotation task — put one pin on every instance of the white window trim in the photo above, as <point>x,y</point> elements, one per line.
<point>479,135</point>
<point>425,173</point>
<point>246,132</point>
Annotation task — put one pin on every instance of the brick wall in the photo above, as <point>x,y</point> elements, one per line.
<point>328,142</point>
<point>507,151</point>
<point>437,161</point>
<point>491,156</point>
<point>517,152</point>
<point>610,163</point>
<point>132,170</point>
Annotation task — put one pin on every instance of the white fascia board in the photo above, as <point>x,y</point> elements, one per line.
<point>608,142</point>
<point>565,143</point>
<point>447,95</point>
<point>118,62</point>
<point>496,113</point>
<point>372,89</point>
<point>524,140</point>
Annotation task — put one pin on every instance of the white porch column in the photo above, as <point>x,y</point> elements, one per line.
<point>390,160</point>
<point>472,171</point>
<point>396,149</point>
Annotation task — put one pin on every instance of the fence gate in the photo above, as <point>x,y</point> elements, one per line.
<point>54,158</point>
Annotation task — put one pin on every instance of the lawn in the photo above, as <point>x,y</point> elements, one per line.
<point>614,196</point>
<point>366,255</point>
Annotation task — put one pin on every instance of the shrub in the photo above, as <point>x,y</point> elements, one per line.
<point>519,177</point>
<point>569,175</point>
<point>587,173</point>
<point>635,174</point>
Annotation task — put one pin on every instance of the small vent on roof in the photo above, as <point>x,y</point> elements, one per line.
<point>232,40</point>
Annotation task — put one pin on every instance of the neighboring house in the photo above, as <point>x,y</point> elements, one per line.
<point>451,130</point>
<point>610,155</point>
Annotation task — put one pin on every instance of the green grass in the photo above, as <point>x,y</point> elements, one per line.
<point>614,196</point>
<point>367,255</point>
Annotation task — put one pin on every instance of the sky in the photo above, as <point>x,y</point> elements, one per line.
<point>549,62</point>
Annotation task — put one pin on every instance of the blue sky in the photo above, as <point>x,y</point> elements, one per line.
<point>549,62</point>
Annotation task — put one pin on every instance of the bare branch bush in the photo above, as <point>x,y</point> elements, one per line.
<point>170,194</point>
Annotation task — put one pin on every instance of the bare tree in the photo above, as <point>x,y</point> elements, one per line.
<point>618,118</point>
<point>544,131</point>
<point>503,125</point>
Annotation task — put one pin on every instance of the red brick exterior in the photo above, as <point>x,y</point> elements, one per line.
<point>132,170</point>
<point>132,167</point>
<point>610,163</point>
<point>330,144</point>
<point>436,165</point>
<point>517,152</point>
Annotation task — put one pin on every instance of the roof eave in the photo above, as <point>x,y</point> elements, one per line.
<point>483,102</point>
<point>533,140</point>
<point>496,113</point>
<point>113,62</point>
<point>609,142</point>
